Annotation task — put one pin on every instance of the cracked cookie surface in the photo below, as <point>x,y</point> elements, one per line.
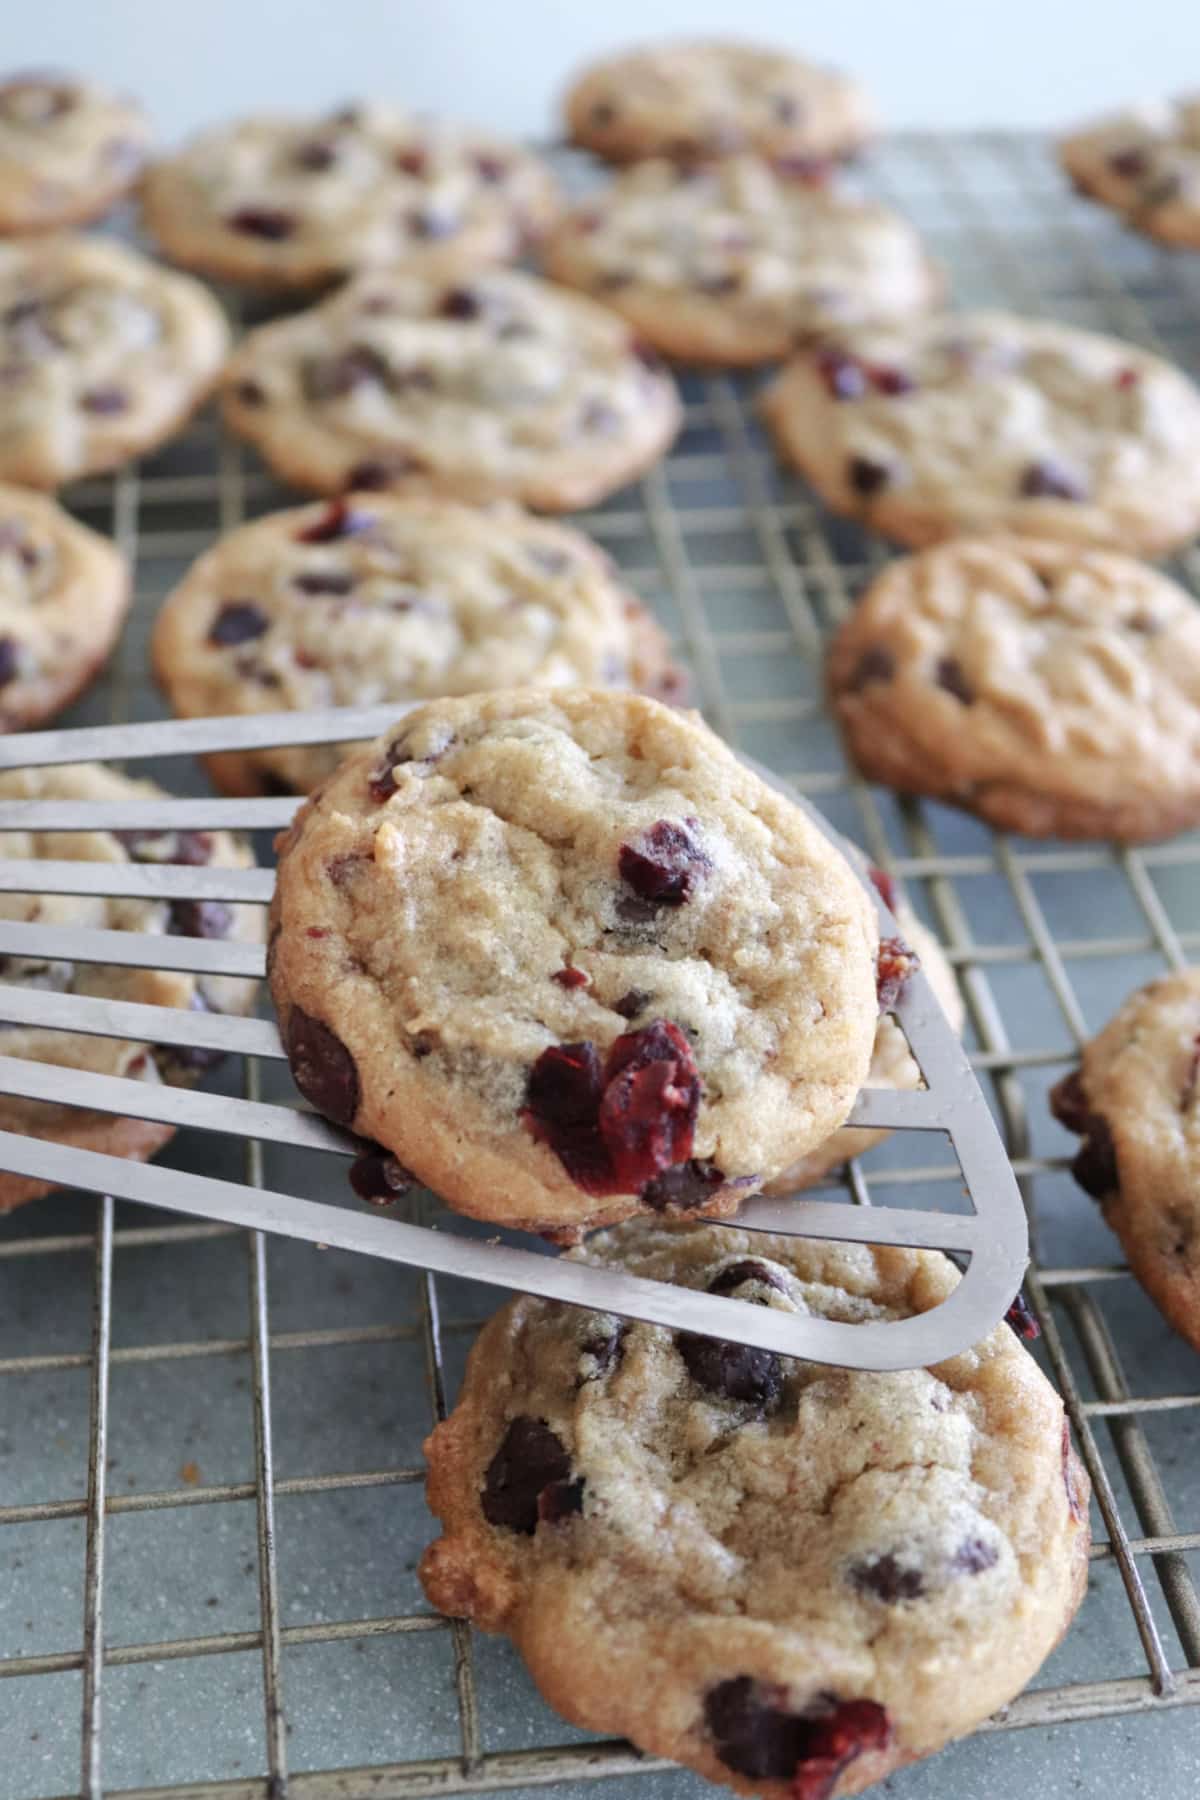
<point>566,957</point>
<point>64,592</point>
<point>150,1063</point>
<point>692,100</point>
<point>1054,691</point>
<point>105,355</point>
<point>68,151</point>
<point>290,202</point>
<point>1135,1101</point>
<point>736,263</point>
<point>981,421</point>
<point>501,387</point>
<point>378,599</point>
<point>791,1578</point>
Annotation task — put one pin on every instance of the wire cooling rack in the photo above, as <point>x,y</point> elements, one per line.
<point>210,1468</point>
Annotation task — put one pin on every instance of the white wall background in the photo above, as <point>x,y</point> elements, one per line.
<point>929,62</point>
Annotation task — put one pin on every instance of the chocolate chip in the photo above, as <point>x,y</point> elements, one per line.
<point>250,393</point>
<point>104,400</point>
<point>875,664</point>
<point>665,863</point>
<point>603,1348</point>
<point>1020,1317</point>
<point>895,963</point>
<point>867,477</point>
<point>192,848</point>
<point>199,919</point>
<point>950,674</point>
<point>185,1062</point>
<point>615,1125</point>
<point>717,284</point>
<point>1069,1103</point>
<point>334,377</point>
<point>339,520</point>
<point>238,622</point>
<point>973,1556</point>
<point>490,168</point>
<point>460,303</point>
<point>599,418</point>
<point>412,161</point>
<point>784,108</point>
<point>426,222</point>
<point>602,113</point>
<point>886,1578</point>
<point>1095,1163</point>
<point>378,1177</point>
<point>262,222</point>
<point>736,1275</point>
<point>560,1500</point>
<point>14,541</point>
<point>684,1187</point>
<point>1131,164</point>
<point>631,1003</point>
<point>530,1458</point>
<point>322,1067</point>
<point>571,978</point>
<point>315,156</point>
<point>756,1736</point>
<point>1050,481</point>
<point>611,281</point>
<point>324,581</point>
<point>381,784</point>
<point>732,1371</point>
<point>10,660</point>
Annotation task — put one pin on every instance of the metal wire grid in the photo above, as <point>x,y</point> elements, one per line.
<point>752,573</point>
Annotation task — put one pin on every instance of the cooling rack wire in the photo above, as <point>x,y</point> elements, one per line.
<point>219,1474</point>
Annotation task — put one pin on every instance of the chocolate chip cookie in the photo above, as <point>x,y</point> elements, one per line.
<point>151,1063</point>
<point>64,591</point>
<point>737,263</point>
<point>1052,690</point>
<point>288,202</point>
<point>793,1579</point>
<point>1145,165</point>
<point>68,151</point>
<point>361,601</point>
<point>503,387</point>
<point>1135,1101</point>
<point>567,958</point>
<point>893,1064</point>
<point>691,101</point>
<point>103,355</point>
<point>984,421</point>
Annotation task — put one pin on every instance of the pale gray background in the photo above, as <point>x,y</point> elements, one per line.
<point>930,62</point>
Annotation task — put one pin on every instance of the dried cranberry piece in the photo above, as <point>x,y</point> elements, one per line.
<point>651,1097</point>
<point>104,401</point>
<point>530,1458</point>
<point>1020,1317</point>
<point>875,664</point>
<point>199,919</point>
<point>412,161</point>
<point>891,381</point>
<point>339,520</point>
<point>1127,378</point>
<point>616,1125</point>
<point>950,674</point>
<point>490,168</point>
<point>266,222</point>
<point>561,1500</point>
<point>887,1579</point>
<point>684,1187</point>
<point>1050,481</point>
<point>844,376</point>
<point>238,622</point>
<point>756,1736</point>
<point>379,472</point>
<point>378,1177</point>
<point>315,156</point>
<point>884,885</point>
<point>736,1275</point>
<point>893,966</point>
<point>9,660</point>
<point>324,581</point>
<point>865,476</point>
<point>632,1003</point>
<point>571,978</point>
<point>1131,164</point>
<point>974,1557</point>
<point>664,864</point>
<point>322,1067</point>
<point>732,1371</point>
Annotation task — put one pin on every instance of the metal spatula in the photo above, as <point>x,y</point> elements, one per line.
<point>992,1240</point>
